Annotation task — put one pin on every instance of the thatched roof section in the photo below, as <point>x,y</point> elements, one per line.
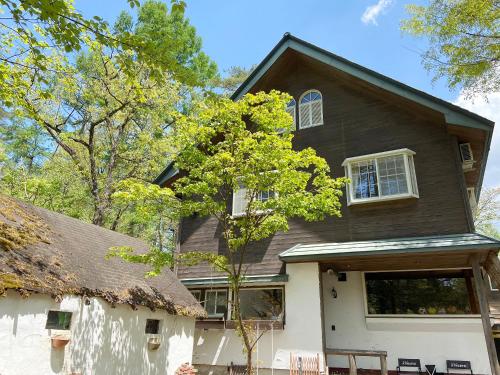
<point>45,252</point>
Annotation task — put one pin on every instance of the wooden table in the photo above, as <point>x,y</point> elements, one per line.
<point>351,355</point>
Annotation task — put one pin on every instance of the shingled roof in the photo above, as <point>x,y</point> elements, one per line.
<point>46,252</point>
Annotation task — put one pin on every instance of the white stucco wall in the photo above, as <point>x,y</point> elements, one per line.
<point>302,333</point>
<point>104,340</point>
<point>433,340</point>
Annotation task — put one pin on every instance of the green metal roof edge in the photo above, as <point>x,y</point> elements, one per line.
<point>166,174</point>
<point>314,257</point>
<point>254,279</point>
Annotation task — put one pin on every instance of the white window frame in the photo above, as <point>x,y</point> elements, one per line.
<point>215,314</point>
<point>243,213</point>
<point>301,106</point>
<point>411,179</point>
<point>293,114</point>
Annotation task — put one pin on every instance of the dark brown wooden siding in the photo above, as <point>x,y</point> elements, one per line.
<point>357,121</point>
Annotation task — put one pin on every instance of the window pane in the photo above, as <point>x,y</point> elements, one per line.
<point>305,115</point>
<point>419,293</point>
<point>196,294</point>
<point>265,195</point>
<point>152,326</point>
<point>261,304</point>
<point>210,302</point>
<point>391,171</point>
<point>364,179</point>
<point>221,307</point>
<point>58,320</point>
<point>240,200</point>
<point>316,113</point>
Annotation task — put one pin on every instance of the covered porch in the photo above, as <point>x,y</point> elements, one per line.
<point>421,297</point>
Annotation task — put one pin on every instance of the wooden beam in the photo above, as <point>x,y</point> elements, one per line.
<point>383,364</point>
<point>353,370</point>
<point>485,315</point>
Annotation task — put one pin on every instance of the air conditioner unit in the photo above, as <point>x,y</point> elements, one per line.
<point>467,156</point>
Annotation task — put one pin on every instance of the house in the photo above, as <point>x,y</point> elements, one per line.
<point>401,272</point>
<point>65,309</point>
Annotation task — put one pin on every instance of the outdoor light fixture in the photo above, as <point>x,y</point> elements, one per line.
<point>334,293</point>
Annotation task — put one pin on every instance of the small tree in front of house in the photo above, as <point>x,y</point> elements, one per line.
<point>245,148</point>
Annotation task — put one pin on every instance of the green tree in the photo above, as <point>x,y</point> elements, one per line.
<point>52,185</point>
<point>107,111</point>
<point>225,146</point>
<point>25,143</point>
<point>168,42</point>
<point>31,30</point>
<point>464,37</point>
<point>487,212</point>
<point>109,123</point>
<point>232,79</point>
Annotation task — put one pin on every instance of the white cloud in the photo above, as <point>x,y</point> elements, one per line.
<point>490,108</point>
<point>373,11</point>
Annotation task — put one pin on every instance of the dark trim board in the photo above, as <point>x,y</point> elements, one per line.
<point>223,281</point>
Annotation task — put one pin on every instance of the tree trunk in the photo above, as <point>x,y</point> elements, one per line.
<point>244,334</point>
<point>98,217</point>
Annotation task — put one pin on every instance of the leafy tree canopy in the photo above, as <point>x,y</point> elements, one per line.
<point>226,146</point>
<point>34,33</point>
<point>464,38</point>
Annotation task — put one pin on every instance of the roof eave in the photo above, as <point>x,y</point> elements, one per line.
<point>322,257</point>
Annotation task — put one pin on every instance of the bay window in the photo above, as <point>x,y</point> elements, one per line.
<point>382,176</point>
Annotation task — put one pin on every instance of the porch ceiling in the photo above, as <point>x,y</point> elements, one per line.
<point>398,253</point>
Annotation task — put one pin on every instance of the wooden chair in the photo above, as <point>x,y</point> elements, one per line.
<point>304,365</point>
<point>458,365</point>
<point>411,363</point>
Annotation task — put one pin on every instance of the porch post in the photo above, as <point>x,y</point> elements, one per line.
<point>485,315</point>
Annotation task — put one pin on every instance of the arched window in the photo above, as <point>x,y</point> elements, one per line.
<point>310,109</point>
<point>290,108</point>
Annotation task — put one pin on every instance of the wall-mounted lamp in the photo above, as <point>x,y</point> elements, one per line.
<point>334,293</point>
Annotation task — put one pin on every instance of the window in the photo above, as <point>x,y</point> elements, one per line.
<point>196,294</point>
<point>382,176</point>
<point>449,292</point>
<point>261,304</point>
<point>152,326</point>
<point>216,303</point>
<point>290,109</point>
<point>58,320</point>
<point>240,199</point>
<point>310,109</point>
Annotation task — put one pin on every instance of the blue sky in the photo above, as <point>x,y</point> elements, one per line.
<point>367,32</point>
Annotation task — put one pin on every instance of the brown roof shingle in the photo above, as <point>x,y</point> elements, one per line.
<point>47,252</point>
